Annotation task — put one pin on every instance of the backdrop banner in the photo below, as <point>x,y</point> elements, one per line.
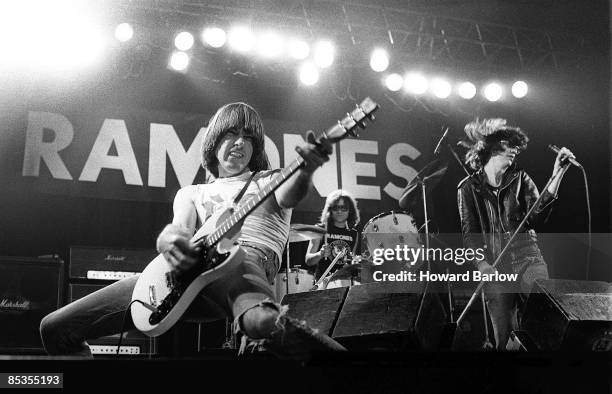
<point>147,155</point>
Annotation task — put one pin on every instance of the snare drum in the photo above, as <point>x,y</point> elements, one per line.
<point>389,230</point>
<point>299,281</point>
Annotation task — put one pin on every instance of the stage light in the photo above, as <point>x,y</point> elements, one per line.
<point>467,90</point>
<point>179,61</point>
<point>309,74</point>
<point>394,82</point>
<point>241,39</point>
<point>379,61</point>
<point>124,32</point>
<point>298,49</point>
<point>519,89</point>
<point>415,83</point>
<point>493,92</point>
<point>183,41</point>
<point>49,36</point>
<point>324,54</point>
<point>84,48</point>
<point>440,88</point>
<point>270,45</point>
<point>214,36</point>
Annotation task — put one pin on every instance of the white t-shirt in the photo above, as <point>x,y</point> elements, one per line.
<point>268,224</point>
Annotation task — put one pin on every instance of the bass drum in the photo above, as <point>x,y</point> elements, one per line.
<point>299,281</point>
<point>391,229</point>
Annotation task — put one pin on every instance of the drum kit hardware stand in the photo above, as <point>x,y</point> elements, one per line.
<point>428,178</point>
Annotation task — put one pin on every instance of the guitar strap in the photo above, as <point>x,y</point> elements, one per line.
<point>244,189</point>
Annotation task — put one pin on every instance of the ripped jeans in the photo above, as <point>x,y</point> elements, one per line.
<point>65,331</point>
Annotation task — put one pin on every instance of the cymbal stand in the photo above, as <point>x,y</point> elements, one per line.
<point>456,156</point>
<point>422,182</point>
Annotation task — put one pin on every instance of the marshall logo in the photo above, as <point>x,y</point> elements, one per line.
<point>21,305</point>
<point>110,257</point>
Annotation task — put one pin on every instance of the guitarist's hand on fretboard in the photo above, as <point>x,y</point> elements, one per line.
<point>175,245</point>
<point>315,153</point>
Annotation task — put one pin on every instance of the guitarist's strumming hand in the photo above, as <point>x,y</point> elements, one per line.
<point>175,245</point>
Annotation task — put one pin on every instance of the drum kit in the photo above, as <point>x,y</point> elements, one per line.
<point>386,230</point>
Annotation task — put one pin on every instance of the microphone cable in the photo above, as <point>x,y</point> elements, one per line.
<point>588,204</point>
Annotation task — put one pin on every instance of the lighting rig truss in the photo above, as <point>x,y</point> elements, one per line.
<point>409,35</point>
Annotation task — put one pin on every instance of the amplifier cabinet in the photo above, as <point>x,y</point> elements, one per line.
<point>98,263</point>
<point>30,288</point>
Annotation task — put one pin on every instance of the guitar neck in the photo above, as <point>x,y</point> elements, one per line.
<point>254,202</point>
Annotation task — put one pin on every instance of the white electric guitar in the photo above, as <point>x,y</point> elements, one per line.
<point>161,296</point>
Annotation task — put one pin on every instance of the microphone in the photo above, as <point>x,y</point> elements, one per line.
<point>572,160</point>
<point>437,150</point>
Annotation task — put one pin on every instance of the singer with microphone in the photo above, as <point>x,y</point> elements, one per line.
<point>492,203</point>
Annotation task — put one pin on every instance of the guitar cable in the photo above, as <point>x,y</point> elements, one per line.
<point>125,313</point>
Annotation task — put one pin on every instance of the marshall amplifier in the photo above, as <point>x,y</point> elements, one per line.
<point>133,342</point>
<point>30,288</point>
<point>107,263</point>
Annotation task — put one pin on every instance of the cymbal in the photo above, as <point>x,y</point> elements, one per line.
<point>350,270</point>
<point>305,232</point>
<point>430,175</point>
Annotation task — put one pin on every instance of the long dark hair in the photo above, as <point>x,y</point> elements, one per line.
<point>349,200</point>
<point>485,140</point>
<point>234,116</point>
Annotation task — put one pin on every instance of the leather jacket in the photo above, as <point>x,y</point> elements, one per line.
<point>489,219</point>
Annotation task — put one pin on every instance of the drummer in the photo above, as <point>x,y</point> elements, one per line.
<point>339,218</point>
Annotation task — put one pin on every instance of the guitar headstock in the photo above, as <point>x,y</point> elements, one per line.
<point>352,121</point>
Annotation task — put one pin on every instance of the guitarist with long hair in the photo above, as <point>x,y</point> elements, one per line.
<point>233,153</point>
